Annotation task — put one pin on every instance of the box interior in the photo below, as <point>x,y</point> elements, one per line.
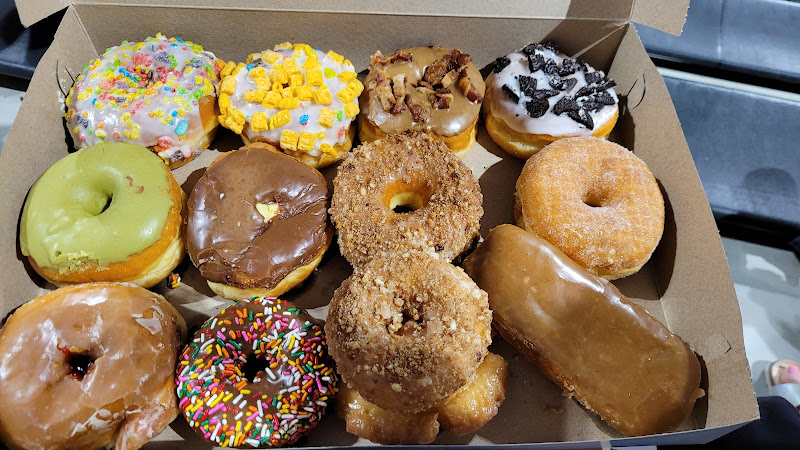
<point>686,284</point>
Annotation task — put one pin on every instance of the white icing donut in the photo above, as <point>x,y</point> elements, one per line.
<point>295,97</point>
<point>512,91</point>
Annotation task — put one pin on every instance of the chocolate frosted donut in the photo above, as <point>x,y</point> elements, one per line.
<point>257,222</point>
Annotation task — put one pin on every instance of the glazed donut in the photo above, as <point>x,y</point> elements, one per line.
<point>89,366</point>
<point>296,98</point>
<point>160,93</point>
<point>109,212</point>
<point>582,333</point>
<point>538,95</point>
<point>430,89</point>
<point>414,172</point>
<point>407,330</point>
<point>594,200</point>
<point>256,375</point>
<point>257,223</point>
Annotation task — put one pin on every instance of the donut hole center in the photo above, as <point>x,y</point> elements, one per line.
<point>252,367</point>
<point>78,363</point>
<point>407,319</point>
<point>594,200</point>
<point>403,198</point>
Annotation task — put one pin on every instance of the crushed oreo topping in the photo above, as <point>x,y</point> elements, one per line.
<point>569,83</point>
<point>582,117</point>
<point>594,77</point>
<point>500,64</point>
<point>566,104</point>
<point>527,85</point>
<point>535,63</point>
<point>510,93</point>
<point>537,108</point>
<point>544,93</point>
<point>568,67</point>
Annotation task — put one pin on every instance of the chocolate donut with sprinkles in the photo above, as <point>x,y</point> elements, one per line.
<point>256,375</point>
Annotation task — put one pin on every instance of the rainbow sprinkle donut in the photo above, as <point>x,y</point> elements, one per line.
<point>293,97</point>
<point>160,93</point>
<point>256,375</point>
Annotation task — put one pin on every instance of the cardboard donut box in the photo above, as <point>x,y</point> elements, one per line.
<point>686,284</point>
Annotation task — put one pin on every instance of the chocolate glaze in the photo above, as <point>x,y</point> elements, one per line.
<point>228,239</point>
<point>608,352</point>
<point>461,114</point>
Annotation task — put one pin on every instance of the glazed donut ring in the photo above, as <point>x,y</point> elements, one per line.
<point>407,330</point>
<point>87,365</point>
<point>594,200</point>
<point>413,170</point>
<point>256,375</point>
<point>160,93</point>
<point>110,212</point>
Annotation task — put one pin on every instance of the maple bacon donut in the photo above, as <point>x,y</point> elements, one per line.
<point>294,97</point>
<point>432,89</point>
<point>441,198</point>
<point>160,93</point>
<point>89,366</point>
<point>257,222</point>
<point>109,212</point>
<point>538,95</point>
<point>594,200</point>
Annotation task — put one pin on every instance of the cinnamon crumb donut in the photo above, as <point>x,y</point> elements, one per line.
<point>408,330</point>
<point>415,173</point>
<point>594,200</point>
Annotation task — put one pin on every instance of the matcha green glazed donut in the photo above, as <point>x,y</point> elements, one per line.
<point>109,212</point>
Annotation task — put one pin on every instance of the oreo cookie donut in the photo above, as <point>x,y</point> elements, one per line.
<point>538,95</point>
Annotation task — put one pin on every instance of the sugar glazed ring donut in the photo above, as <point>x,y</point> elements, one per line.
<point>415,172</point>
<point>256,375</point>
<point>160,93</point>
<point>84,366</point>
<point>538,95</point>
<point>407,330</point>
<point>257,222</point>
<point>431,89</point>
<point>296,98</point>
<point>110,212</point>
<point>594,200</point>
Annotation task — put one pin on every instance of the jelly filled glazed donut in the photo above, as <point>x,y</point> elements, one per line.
<point>89,366</point>
<point>415,172</point>
<point>160,93</point>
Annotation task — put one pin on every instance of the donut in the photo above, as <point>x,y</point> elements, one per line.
<point>256,375</point>
<point>432,89</point>
<point>538,95</point>
<point>594,200</point>
<point>407,330</point>
<point>89,366</point>
<point>160,93</point>
<point>641,378</point>
<point>405,192</point>
<point>293,97</point>
<point>257,222</point>
<point>109,212</point>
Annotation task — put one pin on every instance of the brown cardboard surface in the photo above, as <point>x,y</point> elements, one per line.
<point>686,285</point>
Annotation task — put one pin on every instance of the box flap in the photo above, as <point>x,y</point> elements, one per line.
<point>667,16</point>
<point>32,11</point>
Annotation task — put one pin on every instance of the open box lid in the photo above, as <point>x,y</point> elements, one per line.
<point>667,16</point>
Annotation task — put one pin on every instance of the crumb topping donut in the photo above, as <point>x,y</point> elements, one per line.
<point>109,212</point>
<point>89,366</point>
<point>407,330</point>
<point>294,97</point>
<point>594,200</point>
<point>257,222</point>
<point>160,93</point>
<point>538,94</point>
<point>431,89</point>
<point>415,173</point>
<point>256,375</point>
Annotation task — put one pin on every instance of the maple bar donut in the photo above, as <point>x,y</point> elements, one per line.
<point>109,212</point>
<point>538,95</point>
<point>257,222</point>
<point>256,375</point>
<point>430,89</point>
<point>407,330</point>
<point>160,93</point>
<point>89,366</point>
<point>594,200</point>
<point>296,98</point>
<point>415,172</point>
<point>641,378</point>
